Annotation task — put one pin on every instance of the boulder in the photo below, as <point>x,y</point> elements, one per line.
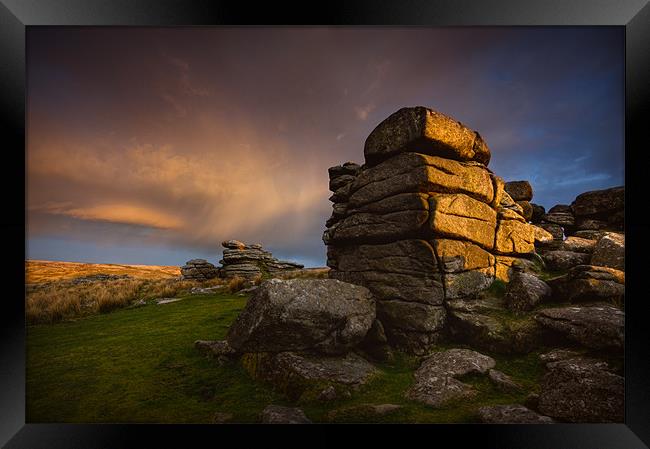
<point>595,327</point>
<point>426,131</point>
<point>305,375</point>
<point>564,260</point>
<point>249,261</point>
<point>199,270</point>
<point>299,314</point>
<point>277,414</point>
<point>511,414</point>
<point>564,219</point>
<point>590,283</point>
<point>599,203</point>
<point>519,190</point>
<point>582,390</point>
<point>538,212</point>
<point>610,251</point>
<point>435,380</point>
<point>525,291</point>
<point>578,245</point>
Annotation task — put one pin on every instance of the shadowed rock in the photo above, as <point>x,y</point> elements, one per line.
<point>300,375</point>
<point>582,390</point>
<point>525,291</point>
<point>596,327</point>
<point>599,203</point>
<point>564,260</point>
<point>519,190</point>
<point>538,213</point>
<point>590,283</point>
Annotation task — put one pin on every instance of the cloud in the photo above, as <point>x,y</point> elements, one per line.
<point>132,214</point>
<point>199,197</point>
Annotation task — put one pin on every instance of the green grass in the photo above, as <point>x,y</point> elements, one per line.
<point>140,365</point>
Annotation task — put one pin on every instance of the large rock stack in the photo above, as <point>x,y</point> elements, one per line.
<point>248,261</point>
<point>422,222</point>
<point>198,270</point>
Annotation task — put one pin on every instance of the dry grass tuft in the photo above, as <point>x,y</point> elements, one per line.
<point>62,300</point>
<point>235,284</point>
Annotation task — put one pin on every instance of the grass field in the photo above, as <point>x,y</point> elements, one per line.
<point>139,365</point>
<point>38,271</point>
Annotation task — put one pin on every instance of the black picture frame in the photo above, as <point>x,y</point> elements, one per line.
<point>17,15</point>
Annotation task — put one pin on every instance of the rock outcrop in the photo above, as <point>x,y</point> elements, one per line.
<point>324,315</point>
<point>251,260</point>
<point>423,221</point>
<point>199,270</point>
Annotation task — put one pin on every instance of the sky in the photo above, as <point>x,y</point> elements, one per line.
<point>153,145</point>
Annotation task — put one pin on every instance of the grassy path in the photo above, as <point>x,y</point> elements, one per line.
<point>140,365</point>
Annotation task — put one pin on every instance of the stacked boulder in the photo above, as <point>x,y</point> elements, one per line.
<point>198,270</point>
<point>248,261</point>
<point>423,221</point>
<point>301,335</point>
<point>589,231</point>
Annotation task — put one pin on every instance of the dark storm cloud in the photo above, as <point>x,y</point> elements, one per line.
<point>176,139</point>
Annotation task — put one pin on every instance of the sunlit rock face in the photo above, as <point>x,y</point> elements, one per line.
<point>424,221</point>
